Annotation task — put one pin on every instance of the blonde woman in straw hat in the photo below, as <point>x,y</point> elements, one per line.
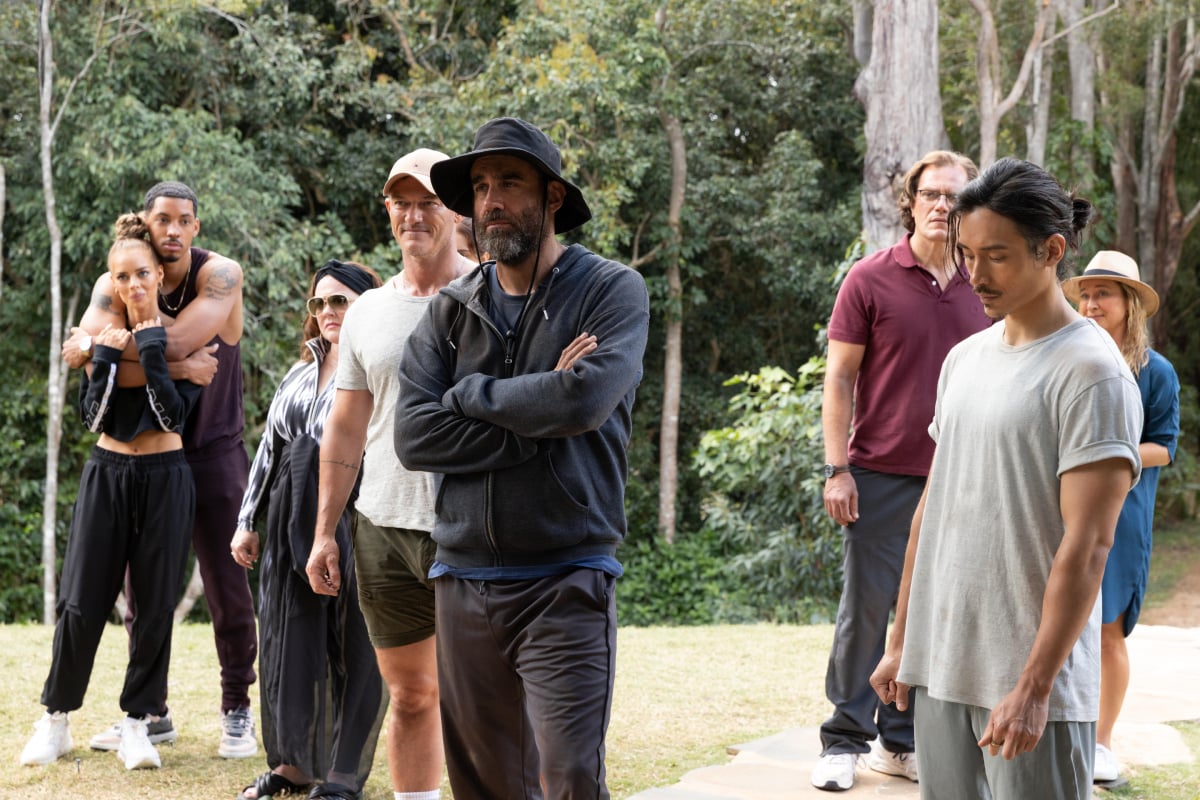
<point>1111,292</point>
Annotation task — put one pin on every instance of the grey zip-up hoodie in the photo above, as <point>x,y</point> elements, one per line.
<point>531,462</point>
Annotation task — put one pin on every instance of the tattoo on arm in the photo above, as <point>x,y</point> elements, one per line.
<point>104,302</point>
<point>221,283</point>
<point>340,463</point>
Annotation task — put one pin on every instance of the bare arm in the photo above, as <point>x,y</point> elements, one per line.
<point>342,446</point>
<point>883,680</point>
<point>1090,497</point>
<point>837,406</point>
<point>218,297</point>
<point>1154,455</point>
<point>105,308</point>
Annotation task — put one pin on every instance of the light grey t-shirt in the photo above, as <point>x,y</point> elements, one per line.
<point>372,340</point>
<point>1008,422</point>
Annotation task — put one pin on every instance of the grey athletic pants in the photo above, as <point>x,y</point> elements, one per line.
<point>954,767</point>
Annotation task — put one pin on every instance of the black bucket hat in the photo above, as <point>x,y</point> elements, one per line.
<point>508,136</point>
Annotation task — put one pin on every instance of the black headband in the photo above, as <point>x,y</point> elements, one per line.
<point>355,278</point>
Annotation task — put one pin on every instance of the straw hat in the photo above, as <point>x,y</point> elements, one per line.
<point>1109,265</point>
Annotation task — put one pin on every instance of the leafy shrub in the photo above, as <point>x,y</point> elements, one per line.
<point>685,583</point>
<point>764,501</point>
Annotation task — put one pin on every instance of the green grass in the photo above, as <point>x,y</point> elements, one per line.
<point>683,695</point>
<point>1176,553</point>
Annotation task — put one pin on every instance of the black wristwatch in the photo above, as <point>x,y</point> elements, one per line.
<point>829,470</point>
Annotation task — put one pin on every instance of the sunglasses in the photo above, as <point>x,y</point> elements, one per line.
<point>336,302</point>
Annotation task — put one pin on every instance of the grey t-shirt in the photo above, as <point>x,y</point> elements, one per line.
<point>1008,422</point>
<point>372,339</point>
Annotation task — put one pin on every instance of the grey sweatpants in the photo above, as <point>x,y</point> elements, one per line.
<point>954,767</point>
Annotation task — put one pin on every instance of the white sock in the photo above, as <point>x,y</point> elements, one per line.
<point>432,794</point>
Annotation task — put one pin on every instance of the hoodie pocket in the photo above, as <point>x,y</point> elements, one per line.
<point>533,511</point>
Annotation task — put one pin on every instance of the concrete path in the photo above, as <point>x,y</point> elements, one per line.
<point>1164,663</point>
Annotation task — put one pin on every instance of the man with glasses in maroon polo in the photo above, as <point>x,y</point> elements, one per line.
<point>897,314</point>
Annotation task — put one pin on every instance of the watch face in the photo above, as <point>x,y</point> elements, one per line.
<point>85,344</point>
<point>828,470</point>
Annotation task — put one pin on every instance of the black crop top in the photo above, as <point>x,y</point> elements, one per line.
<point>123,413</point>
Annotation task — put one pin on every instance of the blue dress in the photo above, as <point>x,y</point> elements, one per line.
<point>1129,560</point>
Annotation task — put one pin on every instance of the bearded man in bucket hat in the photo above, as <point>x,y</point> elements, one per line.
<point>516,391</point>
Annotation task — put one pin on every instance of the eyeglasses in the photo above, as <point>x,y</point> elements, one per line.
<point>337,302</point>
<point>932,196</point>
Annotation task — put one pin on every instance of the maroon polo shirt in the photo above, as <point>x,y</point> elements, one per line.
<point>908,324</point>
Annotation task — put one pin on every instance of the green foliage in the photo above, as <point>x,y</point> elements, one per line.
<point>685,583</point>
<point>764,493</point>
<point>287,116</point>
<point>1179,483</point>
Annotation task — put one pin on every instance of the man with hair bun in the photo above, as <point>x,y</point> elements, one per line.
<point>1036,427</point>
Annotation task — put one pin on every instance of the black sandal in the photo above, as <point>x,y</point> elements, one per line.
<point>333,791</point>
<point>272,784</point>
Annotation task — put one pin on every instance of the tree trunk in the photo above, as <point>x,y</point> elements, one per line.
<point>3,200</point>
<point>987,64</point>
<point>194,591</point>
<point>1151,225</point>
<point>1082,60</point>
<point>54,393</point>
<point>668,437</point>
<point>898,87</point>
<point>1037,133</point>
<point>1171,225</point>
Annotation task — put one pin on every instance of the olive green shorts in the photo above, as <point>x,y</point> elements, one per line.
<point>394,589</point>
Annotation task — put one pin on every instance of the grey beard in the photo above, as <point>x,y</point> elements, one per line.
<point>508,247</point>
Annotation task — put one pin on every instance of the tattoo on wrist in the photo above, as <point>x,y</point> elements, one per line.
<point>339,463</point>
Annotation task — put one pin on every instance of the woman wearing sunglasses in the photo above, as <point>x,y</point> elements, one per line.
<point>322,697</point>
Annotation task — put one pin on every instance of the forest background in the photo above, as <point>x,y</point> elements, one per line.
<point>740,154</point>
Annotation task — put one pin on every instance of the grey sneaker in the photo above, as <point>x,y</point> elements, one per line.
<point>135,750</point>
<point>51,740</point>
<point>237,734</point>
<point>158,730</point>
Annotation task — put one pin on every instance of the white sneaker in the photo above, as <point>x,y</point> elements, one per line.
<point>135,750</point>
<point>883,760</point>
<point>1107,767</point>
<point>51,740</point>
<point>835,772</point>
<point>237,734</point>
<point>158,729</point>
